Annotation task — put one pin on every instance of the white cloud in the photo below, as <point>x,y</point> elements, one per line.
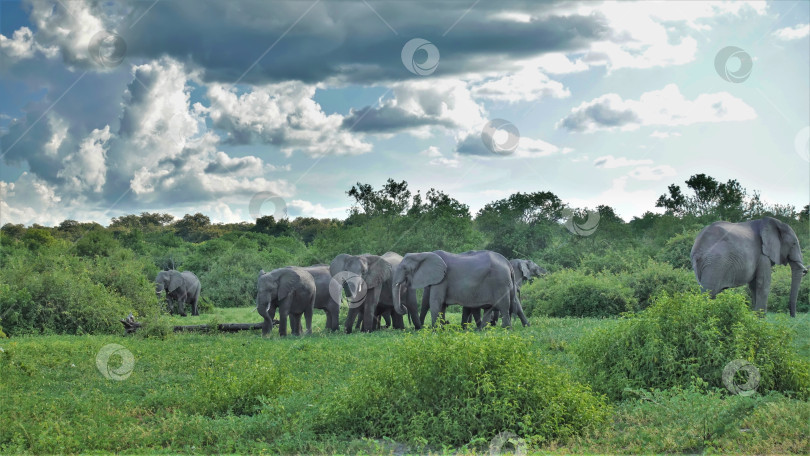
<point>667,107</point>
<point>431,151</point>
<point>302,208</point>
<point>29,200</point>
<point>86,169</point>
<point>283,114</point>
<point>796,32</point>
<point>610,162</point>
<point>446,162</point>
<point>528,84</point>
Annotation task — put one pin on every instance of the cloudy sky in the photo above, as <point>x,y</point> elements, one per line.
<point>186,106</point>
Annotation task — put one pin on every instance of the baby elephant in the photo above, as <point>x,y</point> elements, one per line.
<point>181,287</point>
<point>291,290</point>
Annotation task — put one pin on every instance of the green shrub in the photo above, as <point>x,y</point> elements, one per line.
<point>52,292</point>
<point>613,260</point>
<point>677,250</point>
<point>453,387</point>
<point>779,297</point>
<point>654,278</point>
<point>573,293</point>
<point>689,336</point>
<point>96,243</point>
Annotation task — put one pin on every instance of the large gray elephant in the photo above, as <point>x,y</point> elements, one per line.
<point>323,299</point>
<point>386,303</point>
<point>728,255</point>
<point>292,290</point>
<point>362,278</point>
<point>476,279</point>
<point>525,271</point>
<point>181,288</point>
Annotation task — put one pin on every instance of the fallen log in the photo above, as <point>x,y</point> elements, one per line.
<point>130,325</point>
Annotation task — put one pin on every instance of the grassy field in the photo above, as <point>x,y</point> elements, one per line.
<point>237,393</point>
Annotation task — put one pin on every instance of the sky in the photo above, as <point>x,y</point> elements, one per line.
<point>248,108</point>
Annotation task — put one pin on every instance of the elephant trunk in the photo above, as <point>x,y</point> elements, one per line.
<point>397,295</point>
<point>267,326</point>
<point>799,270</point>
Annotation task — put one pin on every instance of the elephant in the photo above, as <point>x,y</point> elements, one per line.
<point>525,271</point>
<point>323,299</point>
<point>362,278</point>
<point>292,290</point>
<point>181,287</point>
<point>728,255</point>
<point>372,296</point>
<point>475,279</point>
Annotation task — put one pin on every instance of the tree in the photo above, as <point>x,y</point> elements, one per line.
<point>147,221</point>
<point>392,199</point>
<point>193,228</point>
<point>723,200</point>
<point>521,224</point>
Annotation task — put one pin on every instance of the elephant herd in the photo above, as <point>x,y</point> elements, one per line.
<point>724,255</point>
<point>384,286</point>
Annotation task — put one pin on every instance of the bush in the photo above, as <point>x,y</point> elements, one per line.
<point>96,243</point>
<point>655,278</point>
<point>689,336</point>
<point>779,297</point>
<point>677,250</point>
<point>573,293</point>
<point>455,387</point>
<point>52,292</point>
<point>614,261</point>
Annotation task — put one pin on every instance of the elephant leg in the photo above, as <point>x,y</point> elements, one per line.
<point>506,315</point>
<point>521,315</point>
<point>360,312</point>
<point>762,285</point>
<point>437,306</point>
<point>333,311</point>
<point>267,326</point>
<point>387,317</point>
<point>496,314</point>
<point>370,311</point>
<point>283,316</point>
<point>195,311</point>
<point>486,318</point>
<point>295,324</point>
<point>466,316</point>
<point>350,319</point>
<point>396,320</point>
<point>476,315</point>
<point>425,305</point>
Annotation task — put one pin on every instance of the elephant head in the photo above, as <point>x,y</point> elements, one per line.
<point>272,287</point>
<point>169,281</point>
<point>417,270</point>
<point>359,273</point>
<point>781,246</point>
<point>525,270</point>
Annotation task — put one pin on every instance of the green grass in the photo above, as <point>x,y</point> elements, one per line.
<point>239,393</point>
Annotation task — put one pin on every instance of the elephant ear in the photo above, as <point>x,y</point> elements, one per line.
<point>288,281</point>
<point>771,240</point>
<point>430,271</point>
<point>379,271</point>
<point>338,264</point>
<point>175,280</point>
<point>524,269</point>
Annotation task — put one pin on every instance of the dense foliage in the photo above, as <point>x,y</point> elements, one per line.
<point>688,337</point>
<point>459,387</point>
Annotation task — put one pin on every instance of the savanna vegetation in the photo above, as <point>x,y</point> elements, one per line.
<point>624,353</point>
